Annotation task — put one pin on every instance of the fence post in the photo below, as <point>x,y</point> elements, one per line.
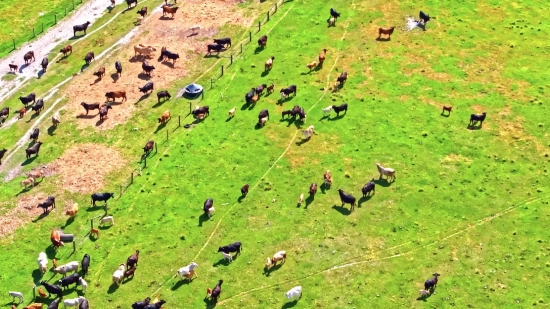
<point>42,28</point>
<point>275,8</point>
<point>120,190</point>
<point>241,48</point>
<point>189,107</point>
<point>231,59</point>
<point>55,19</point>
<point>259,26</point>
<point>179,121</point>
<point>33,292</point>
<point>13,44</point>
<point>156,148</point>
<point>132,178</point>
<point>250,35</point>
<point>33,34</point>
<point>65,11</point>
<point>91,223</point>
<point>211,83</point>
<point>166,134</point>
<point>202,95</point>
<point>74,246</point>
<point>222,69</point>
<point>73,4</point>
<point>145,162</point>
<point>267,15</point>
<point>106,208</point>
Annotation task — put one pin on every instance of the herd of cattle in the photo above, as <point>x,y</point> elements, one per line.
<point>127,270</point>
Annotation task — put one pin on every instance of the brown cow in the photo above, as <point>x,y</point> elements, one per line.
<point>170,10</point>
<point>116,94</point>
<point>388,32</point>
<point>143,49</point>
<point>322,56</point>
<point>22,112</point>
<point>65,50</point>
<point>28,56</point>
<point>56,240</point>
<point>100,72</point>
<point>164,117</point>
<point>13,67</point>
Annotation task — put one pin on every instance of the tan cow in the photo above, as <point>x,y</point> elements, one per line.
<point>164,117</point>
<point>143,49</point>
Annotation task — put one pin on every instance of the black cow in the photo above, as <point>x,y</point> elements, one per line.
<point>334,14</point>
<point>215,47</point>
<point>28,99</point>
<point>262,41</point>
<point>264,113</point>
<point>347,199</point>
<point>148,146</point>
<point>83,304</point>
<point>35,133</point>
<point>34,149</point>
<point>72,279</point>
<point>147,88</point>
<point>431,283</point>
<point>2,153</point>
<point>302,114</point>
<point>342,107</point>
<point>148,69</point>
<point>141,304</point>
<point>234,247</point>
<point>424,17</point>
<point>89,107</point>
<point>129,2</point>
<point>118,68</point>
<point>295,110</point>
<point>85,264</point>
<point>5,112</point>
<point>343,77</point>
<point>202,110</point>
<point>82,27</point>
<point>156,305</point>
<point>287,91</point>
<point>44,64</point>
<point>224,41</point>
<point>50,202</point>
<point>54,304</point>
<point>89,57</point>
<point>143,11</point>
<point>477,117</point>
<point>248,97</point>
<point>39,106</point>
<point>163,94</point>
<point>209,203</point>
<point>260,89</point>
<point>52,289</point>
<point>168,54</point>
<point>244,189</point>
<point>102,197</point>
<point>216,291</point>
<point>368,187</point>
<point>104,111</point>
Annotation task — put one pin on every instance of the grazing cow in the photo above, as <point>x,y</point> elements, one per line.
<point>149,146</point>
<point>477,117</point>
<point>100,72</point>
<point>208,206</point>
<point>103,111</point>
<point>331,22</point>
<point>116,94</point>
<point>130,2</point>
<point>67,49</point>
<point>148,88</point>
<point>368,187</point>
<point>232,112</point>
<point>56,119</point>
<point>22,112</point>
<point>214,294</point>
<point>143,11</point>
<point>214,47</point>
<point>39,106</point>
<point>102,197</point>
<point>270,88</point>
<point>89,57</point>
<point>308,133</point>
<point>141,304</point>
<point>234,247</point>
<point>2,153</point>
<point>224,41</point>
<point>287,91</point>
<point>424,17</point>
<point>248,97</point>
<point>302,114</point>
<point>342,78</point>
<point>148,69</point>
<point>34,135</point>
<point>262,41</point>
<point>343,107</point>
<point>295,111</point>
<point>446,108</point>
<point>28,181</point>
<point>269,63</point>
<point>347,199</point>
<point>34,149</point>
<point>244,189</point>
<point>85,264</point>
<point>28,99</point>
<point>164,117</point>
<point>386,171</point>
<point>13,67</point>
<point>72,279</point>
<point>169,10</point>
<point>295,293</point>
<point>163,94</point>
<point>50,202</point>
<point>264,113</point>
<point>143,50</point>
<point>89,107</point>
<point>260,89</point>
<point>82,27</point>
<point>311,65</point>
<point>431,283</point>
<point>118,68</point>
<point>52,289</point>
<point>28,56</point>
<point>313,189</point>
<point>322,56</point>
<point>168,54</point>
<point>5,112</point>
<point>333,13</point>
<point>205,110</point>
<point>44,64</point>
<point>287,112</point>
<point>132,260</point>
<point>385,31</point>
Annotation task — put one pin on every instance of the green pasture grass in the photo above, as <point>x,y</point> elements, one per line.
<point>470,204</point>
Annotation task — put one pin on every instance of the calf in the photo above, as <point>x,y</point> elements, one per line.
<point>148,69</point>
<point>262,41</point>
<point>431,283</point>
<point>302,114</point>
<point>322,57</point>
<point>224,41</point>
<point>85,264</point>
<point>208,204</point>
<point>164,117</point>
<point>169,10</point>
<point>13,67</point>
<point>82,27</point>
<point>446,108</point>
<point>163,94</point>
<point>269,63</point>
<point>39,106</point>
<point>368,187</point>
<point>130,2</point>
<point>244,190</point>
<point>260,89</point>
<point>28,56</point>
<point>234,247</point>
<point>387,32</point>
<point>148,88</point>
<point>285,113</point>
<point>148,146</point>
<point>118,68</point>
<point>116,94</point>
<point>477,117</point>
<point>102,197</point>
<point>56,119</point>
<point>143,11</point>
<point>28,99</point>
<point>34,149</point>
<point>347,199</point>
<point>89,57</point>
<point>34,135</point>
<point>214,47</point>
<point>2,153</point>
<point>22,112</point>
<point>72,279</point>
<point>270,88</point>
<point>132,261</point>
<point>424,17</point>
<point>168,54</point>
<point>50,202</point>
<point>295,111</point>
<point>67,49</point>
<point>89,107</point>
<point>342,78</point>
<point>104,111</point>
<point>100,72</point>
<point>215,293</point>
<point>287,91</point>
<point>5,112</point>
<point>342,107</point>
<point>313,189</point>
<point>44,64</point>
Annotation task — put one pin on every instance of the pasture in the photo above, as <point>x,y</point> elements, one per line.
<point>468,202</point>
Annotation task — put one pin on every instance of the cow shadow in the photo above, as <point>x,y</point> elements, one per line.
<point>302,141</point>
<point>258,49</point>
<point>160,127</point>
<point>41,73</point>
<point>290,304</point>
<point>75,37</point>
<point>337,117</point>
<point>210,304</point>
<point>100,121</point>
<point>258,126</point>
<point>143,97</point>
<point>69,221</point>
<point>42,216</point>
<point>22,67</point>
<point>245,106</point>
<point>115,77</point>
<point>217,56</point>
<point>29,160</point>
<point>63,58</point>
<point>473,127</point>
<point>33,116</point>
<point>144,76</point>
<point>287,99</point>
<point>203,218</point>
<point>383,39</point>
<point>342,210</point>
<point>222,261</point>
<point>36,276</point>
<point>309,200</point>
<point>241,198</point>
<point>84,67</point>
<point>168,64</point>
<point>268,271</point>
<point>96,81</point>
<point>229,119</point>
<point>180,283</point>
<point>364,199</point>
<point>265,73</point>
<point>192,34</point>
<point>382,182</point>
<point>166,18</point>
<point>112,288</point>
<point>89,116</point>
<point>445,115</point>
<point>94,208</point>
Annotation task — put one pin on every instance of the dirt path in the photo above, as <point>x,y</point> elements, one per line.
<point>43,46</point>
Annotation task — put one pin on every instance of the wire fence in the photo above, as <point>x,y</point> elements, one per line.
<point>44,22</point>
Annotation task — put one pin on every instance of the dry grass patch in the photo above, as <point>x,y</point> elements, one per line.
<point>24,212</point>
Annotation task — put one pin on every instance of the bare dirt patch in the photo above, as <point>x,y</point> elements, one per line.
<point>24,212</point>
<point>157,31</point>
<point>78,167</point>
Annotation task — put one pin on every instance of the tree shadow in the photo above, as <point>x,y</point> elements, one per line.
<point>203,218</point>
<point>364,199</point>
<point>342,210</point>
<point>380,39</point>
<point>115,77</point>
<point>51,130</point>
<point>180,283</point>
<point>268,271</point>
<point>290,304</point>
<point>36,275</point>
<point>383,182</point>
<point>144,76</point>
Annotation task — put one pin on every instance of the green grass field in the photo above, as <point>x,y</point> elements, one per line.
<point>469,204</point>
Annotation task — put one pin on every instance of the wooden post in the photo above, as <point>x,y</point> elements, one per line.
<point>13,44</point>
<point>231,59</point>
<point>145,162</point>
<point>55,19</point>
<point>65,11</point>
<point>189,107</point>
<point>211,83</point>
<point>74,246</point>
<point>155,147</point>
<point>34,292</point>
<point>33,34</point>
<point>106,208</point>
<point>179,121</point>
<point>267,15</point>
<point>259,26</point>
<point>132,178</point>
<point>250,36</point>
<point>42,28</point>
<point>202,95</point>
<point>242,47</point>
<point>91,223</point>
<point>275,8</point>
<point>120,190</point>
<point>73,4</point>
<point>222,70</point>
